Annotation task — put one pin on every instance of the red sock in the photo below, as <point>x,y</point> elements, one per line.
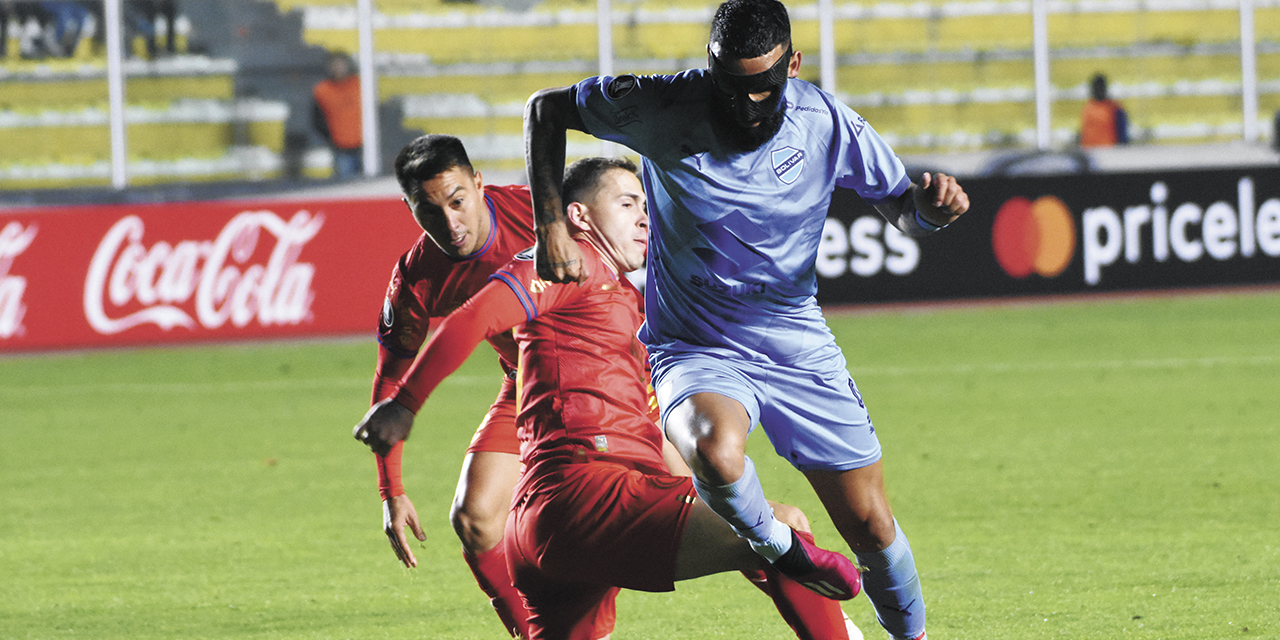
<point>810,615</point>
<point>490,570</point>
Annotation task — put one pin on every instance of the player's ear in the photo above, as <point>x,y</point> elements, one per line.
<point>577,215</point>
<point>479,181</point>
<point>793,67</point>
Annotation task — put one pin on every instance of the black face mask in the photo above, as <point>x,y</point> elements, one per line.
<point>733,91</point>
<point>739,139</point>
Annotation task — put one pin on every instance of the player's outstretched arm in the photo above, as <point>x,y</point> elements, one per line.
<point>397,514</point>
<point>493,310</point>
<point>547,116</point>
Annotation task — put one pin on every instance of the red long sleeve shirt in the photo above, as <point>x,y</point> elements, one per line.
<point>426,283</point>
<point>583,377</point>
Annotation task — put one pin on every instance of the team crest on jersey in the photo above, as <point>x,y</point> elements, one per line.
<point>859,125</point>
<point>787,163</point>
<point>526,255</point>
<point>620,86</point>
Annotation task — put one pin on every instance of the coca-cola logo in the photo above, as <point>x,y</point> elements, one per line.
<point>14,239</point>
<point>200,282</point>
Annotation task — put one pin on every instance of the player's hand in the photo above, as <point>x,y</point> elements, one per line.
<point>398,513</point>
<point>386,423</point>
<point>558,258</point>
<point>945,200</point>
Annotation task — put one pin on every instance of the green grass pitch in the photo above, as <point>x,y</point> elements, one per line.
<point>1079,469</point>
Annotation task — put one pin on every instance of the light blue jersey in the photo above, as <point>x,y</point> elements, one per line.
<point>730,300</point>
<point>734,236</point>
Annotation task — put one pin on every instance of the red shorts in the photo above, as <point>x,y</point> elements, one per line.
<point>497,432</point>
<point>584,530</point>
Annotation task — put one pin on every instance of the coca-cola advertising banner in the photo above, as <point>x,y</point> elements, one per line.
<point>1064,234</point>
<point>188,272</point>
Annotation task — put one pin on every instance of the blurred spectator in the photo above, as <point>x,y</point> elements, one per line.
<point>9,35</point>
<point>148,26</point>
<point>22,29</point>
<point>35,29</point>
<point>64,24</point>
<point>1103,122</point>
<point>336,114</point>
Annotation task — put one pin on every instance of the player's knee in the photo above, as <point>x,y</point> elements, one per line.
<point>873,531</point>
<point>479,528</point>
<point>717,462</point>
<point>881,531</point>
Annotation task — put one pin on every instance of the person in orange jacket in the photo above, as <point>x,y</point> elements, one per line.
<point>1103,122</point>
<point>336,114</point>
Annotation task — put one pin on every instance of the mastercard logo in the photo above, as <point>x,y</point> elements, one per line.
<point>1033,237</point>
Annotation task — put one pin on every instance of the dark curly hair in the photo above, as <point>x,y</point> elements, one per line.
<point>750,28</point>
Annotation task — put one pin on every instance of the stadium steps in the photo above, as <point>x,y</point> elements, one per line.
<point>208,129</point>
<point>639,31</point>
<point>235,163</point>
<point>67,84</point>
<point>934,74</point>
<point>1168,110</point>
<point>54,120</point>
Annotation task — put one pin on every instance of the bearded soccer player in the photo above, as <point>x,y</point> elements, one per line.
<point>740,163</point>
<point>595,508</point>
<point>470,230</point>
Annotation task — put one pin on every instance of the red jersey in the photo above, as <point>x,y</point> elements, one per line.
<point>583,375</point>
<point>426,283</point>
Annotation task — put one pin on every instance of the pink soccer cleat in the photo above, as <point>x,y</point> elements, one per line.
<point>826,573</point>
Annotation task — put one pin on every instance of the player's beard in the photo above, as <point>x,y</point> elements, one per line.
<point>742,139</point>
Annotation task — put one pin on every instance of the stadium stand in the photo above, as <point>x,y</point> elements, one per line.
<point>54,105</point>
<point>932,76</point>
<point>226,96</point>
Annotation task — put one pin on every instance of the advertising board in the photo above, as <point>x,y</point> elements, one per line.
<point>1064,234</point>
<point>119,275</point>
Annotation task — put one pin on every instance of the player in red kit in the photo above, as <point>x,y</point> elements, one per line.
<point>471,229</point>
<point>596,508</point>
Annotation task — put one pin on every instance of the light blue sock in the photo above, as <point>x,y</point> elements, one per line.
<point>742,504</point>
<point>890,580</point>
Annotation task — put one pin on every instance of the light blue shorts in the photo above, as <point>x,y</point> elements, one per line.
<point>815,421</point>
